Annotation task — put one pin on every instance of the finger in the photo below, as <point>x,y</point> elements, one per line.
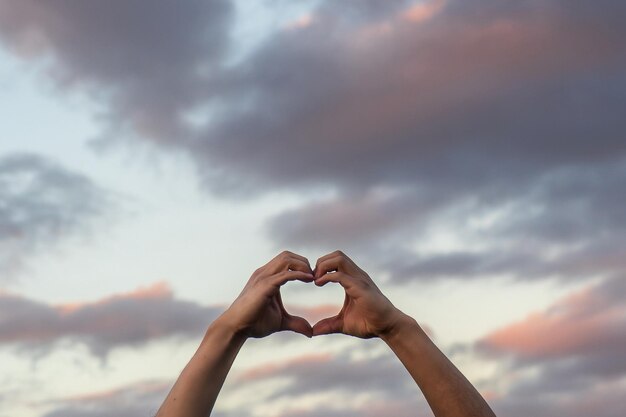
<point>280,303</point>
<point>298,265</point>
<point>289,254</point>
<point>288,260</point>
<point>300,257</point>
<point>297,324</point>
<point>328,256</point>
<point>335,263</point>
<point>282,277</point>
<point>340,278</point>
<point>328,326</point>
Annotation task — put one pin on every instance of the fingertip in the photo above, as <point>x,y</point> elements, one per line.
<point>319,332</point>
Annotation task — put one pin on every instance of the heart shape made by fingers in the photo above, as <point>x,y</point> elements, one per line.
<point>311,302</point>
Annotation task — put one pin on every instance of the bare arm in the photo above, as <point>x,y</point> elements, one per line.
<point>257,312</point>
<point>368,313</point>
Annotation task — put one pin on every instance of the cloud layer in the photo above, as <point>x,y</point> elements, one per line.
<point>42,202</point>
<point>567,356</point>
<point>494,126</point>
<point>415,114</point>
<point>130,319</point>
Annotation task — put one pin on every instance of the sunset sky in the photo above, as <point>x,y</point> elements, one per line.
<point>469,154</point>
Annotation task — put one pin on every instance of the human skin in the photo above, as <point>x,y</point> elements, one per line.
<point>258,312</point>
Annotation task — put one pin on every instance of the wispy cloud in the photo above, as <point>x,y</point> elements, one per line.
<point>42,202</point>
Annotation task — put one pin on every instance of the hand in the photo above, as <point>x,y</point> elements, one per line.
<point>258,311</point>
<point>366,312</point>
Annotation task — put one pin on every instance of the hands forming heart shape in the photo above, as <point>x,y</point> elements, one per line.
<point>258,311</point>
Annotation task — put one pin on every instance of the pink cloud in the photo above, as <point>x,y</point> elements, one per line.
<point>314,314</point>
<point>125,319</point>
<point>269,370</point>
<point>582,323</point>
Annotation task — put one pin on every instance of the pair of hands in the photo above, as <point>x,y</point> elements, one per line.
<point>259,310</point>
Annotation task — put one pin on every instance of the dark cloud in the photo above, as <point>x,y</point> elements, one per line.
<point>454,109</point>
<point>147,62</point>
<point>131,319</point>
<point>353,220</point>
<point>482,108</point>
<point>40,203</point>
<point>501,122</point>
<point>479,103</point>
<point>567,224</point>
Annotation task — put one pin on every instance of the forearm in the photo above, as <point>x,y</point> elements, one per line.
<point>197,387</point>
<point>447,391</point>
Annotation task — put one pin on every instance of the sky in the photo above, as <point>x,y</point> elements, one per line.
<point>468,154</point>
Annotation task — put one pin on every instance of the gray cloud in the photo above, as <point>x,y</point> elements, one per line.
<point>567,224</point>
<point>417,106</point>
<point>40,203</point>
<point>147,61</point>
<point>574,349</point>
<point>131,319</point>
<point>470,128</point>
<point>405,408</point>
<point>455,112</point>
<point>141,399</point>
<point>452,108</point>
<point>604,402</point>
<point>383,376</point>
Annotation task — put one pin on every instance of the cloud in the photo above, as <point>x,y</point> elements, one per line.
<point>566,357</point>
<point>600,402</point>
<point>314,314</point>
<point>129,319</point>
<point>461,125</point>
<point>140,399</point>
<point>541,230</point>
<point>414,114</point>
<point>340,384</point>
<point>42,202</point>
<point>588,323</point>
<point>147,61</point>
<point>383,376</point>
<point>458,102</point>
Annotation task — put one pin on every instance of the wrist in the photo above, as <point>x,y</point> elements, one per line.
<point>228,328</point>
<point>401,324</point>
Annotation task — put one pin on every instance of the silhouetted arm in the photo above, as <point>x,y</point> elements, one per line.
<point>257,312</point>
<point>368,313</point>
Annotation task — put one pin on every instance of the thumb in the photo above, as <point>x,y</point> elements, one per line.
<point>328,325</point>
<point>297,324</point>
